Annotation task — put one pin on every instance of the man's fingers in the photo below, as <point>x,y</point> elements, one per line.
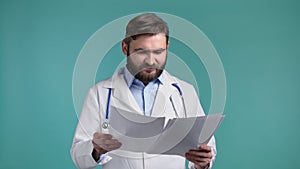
<point>200,154</point>
<point>99,135</point>
<point>107,144</point>
<point>110,147</point>
<point>105,141</point>
<point>201,157</point>
<point>204,147</point>
<point>110,142</point>
<point>197,160</point>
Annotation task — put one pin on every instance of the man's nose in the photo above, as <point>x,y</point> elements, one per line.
<point>150,59</point>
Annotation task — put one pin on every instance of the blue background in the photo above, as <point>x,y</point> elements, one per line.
<point>258,43</point>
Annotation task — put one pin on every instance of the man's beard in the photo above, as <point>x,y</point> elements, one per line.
<point>138,71</point>
<point>145,78</point>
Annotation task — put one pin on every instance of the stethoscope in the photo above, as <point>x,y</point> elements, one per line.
<point>105,124</point>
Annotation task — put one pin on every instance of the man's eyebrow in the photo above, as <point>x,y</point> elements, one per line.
<point>159,49</point>
<point>138,49</point>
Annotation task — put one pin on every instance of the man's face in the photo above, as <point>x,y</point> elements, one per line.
<point>147,56</point>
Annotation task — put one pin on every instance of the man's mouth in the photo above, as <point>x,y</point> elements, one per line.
<point>149,70</point>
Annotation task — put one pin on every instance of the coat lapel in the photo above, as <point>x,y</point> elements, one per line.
<point>122,97</point>
<point>164,93</point>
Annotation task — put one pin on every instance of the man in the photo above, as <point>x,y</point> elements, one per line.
<point>142,86</point>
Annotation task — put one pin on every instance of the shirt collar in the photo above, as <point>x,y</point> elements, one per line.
<point>129,78</point>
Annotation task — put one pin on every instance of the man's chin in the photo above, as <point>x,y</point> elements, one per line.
<point>147,76</point>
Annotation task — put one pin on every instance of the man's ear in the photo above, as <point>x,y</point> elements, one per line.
<point>125,48</point>
<point>168,44</point>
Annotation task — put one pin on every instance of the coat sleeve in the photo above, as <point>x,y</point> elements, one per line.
<point>194,106</point>
<point>89,123</point>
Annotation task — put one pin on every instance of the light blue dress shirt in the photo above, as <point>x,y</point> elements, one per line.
<point>144,95</point>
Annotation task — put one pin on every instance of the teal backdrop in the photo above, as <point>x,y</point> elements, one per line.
<point>257,40</point>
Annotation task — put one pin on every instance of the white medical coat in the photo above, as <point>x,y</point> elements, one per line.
<point>167,103</point>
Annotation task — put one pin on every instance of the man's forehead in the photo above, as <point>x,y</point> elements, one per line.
<point>136,37</point>
<point>148,42</point>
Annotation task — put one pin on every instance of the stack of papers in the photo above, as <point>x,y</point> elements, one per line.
<point>153,135</point>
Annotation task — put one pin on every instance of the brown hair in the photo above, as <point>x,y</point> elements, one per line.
<point>145,24</point>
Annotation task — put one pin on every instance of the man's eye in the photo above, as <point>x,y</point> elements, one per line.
<point>142,52</point>
<point>158,52</point>
<point>147,52</point>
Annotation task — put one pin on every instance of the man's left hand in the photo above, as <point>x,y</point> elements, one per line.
<point>201,157</point>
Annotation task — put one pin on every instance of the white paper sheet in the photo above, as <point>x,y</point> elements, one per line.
<point>140,133</point>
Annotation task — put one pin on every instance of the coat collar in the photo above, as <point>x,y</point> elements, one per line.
<point>125,100</point>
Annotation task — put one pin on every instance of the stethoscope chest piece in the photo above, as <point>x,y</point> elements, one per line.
<point>105,125</point>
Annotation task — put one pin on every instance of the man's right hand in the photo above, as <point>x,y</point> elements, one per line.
<point>103,143</point>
